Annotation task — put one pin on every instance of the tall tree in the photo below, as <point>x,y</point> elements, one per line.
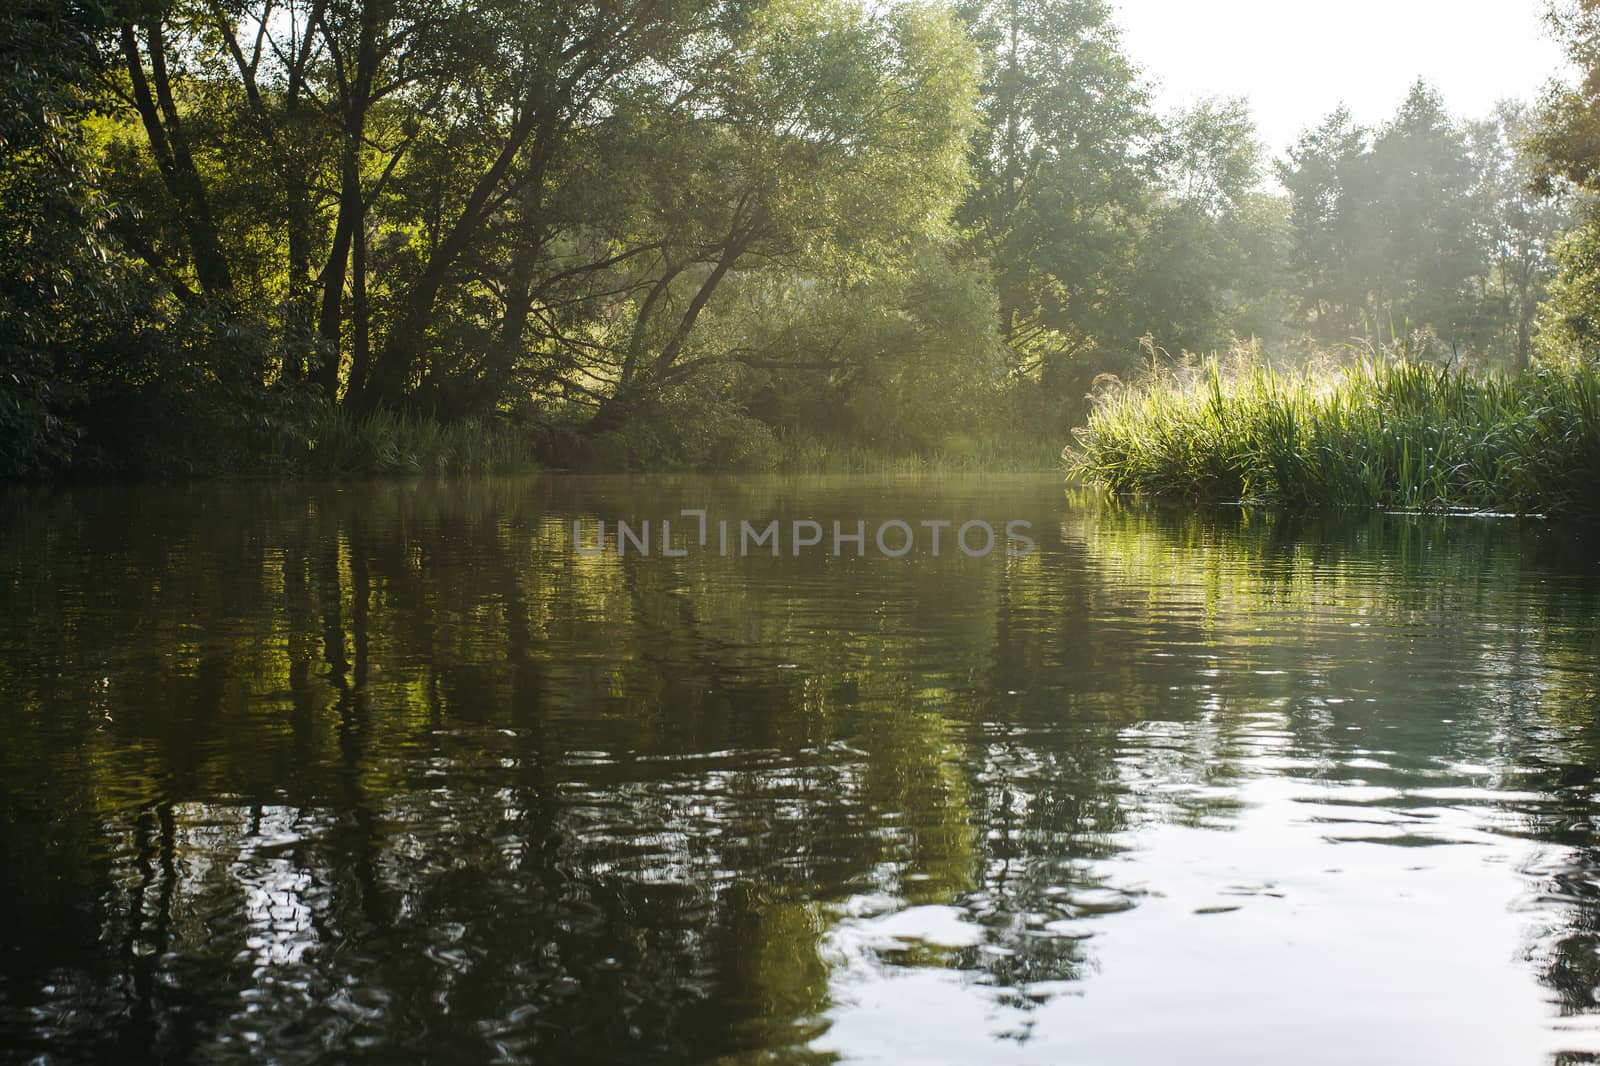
<point>1420,229</point>
<point>829,146</point>
<point>1062,163</point>
<point>1318,174</point>
<point>1207,264</point>
<point>1426,224</point>
<point>54,252</point>
<point>1518,226</point>
<point>1566,141</point>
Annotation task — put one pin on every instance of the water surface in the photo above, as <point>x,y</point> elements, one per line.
<point>391,773</point>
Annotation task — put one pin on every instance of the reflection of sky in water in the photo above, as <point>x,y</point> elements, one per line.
<point>401,774</point>
<point>1298,935</point>
<point>274,905</point>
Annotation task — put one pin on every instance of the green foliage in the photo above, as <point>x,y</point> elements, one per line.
<point>102,369</point>
<point>679,235</point>
<point>1101,221</point>
<point>1565,141</point>
<point>53,256</point>
<point>892,362</point>
<point>685,429</point>
<point>1384,432</point>
<point>822,156</point>
<point>1426,222</point>
<point>1206,267</point>
<point>1062,174</point>
<point>1569,322</point>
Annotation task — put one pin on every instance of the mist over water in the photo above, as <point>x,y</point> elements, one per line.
<point>391,771</point>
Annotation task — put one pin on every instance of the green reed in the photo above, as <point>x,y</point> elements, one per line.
<point>1378,432</point>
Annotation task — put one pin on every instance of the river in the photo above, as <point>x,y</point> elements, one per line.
<point>413,772</point>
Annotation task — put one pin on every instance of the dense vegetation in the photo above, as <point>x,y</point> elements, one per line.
<point>1391,429</point>
<point>1378,433</point>
<point>350,235</point>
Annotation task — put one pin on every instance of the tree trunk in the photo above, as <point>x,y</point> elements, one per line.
<point>171,150</point>
<point>395,361</point>
<point>351,224</point>
<point>1525,310</point>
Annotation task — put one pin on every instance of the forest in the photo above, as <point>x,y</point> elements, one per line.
<point>353,236</point>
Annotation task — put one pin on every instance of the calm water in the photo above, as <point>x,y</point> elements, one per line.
<point>392,774</point>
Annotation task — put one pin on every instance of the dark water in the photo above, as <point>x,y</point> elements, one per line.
<point>393,774</point>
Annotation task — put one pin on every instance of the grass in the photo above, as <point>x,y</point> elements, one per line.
<point>336,445</point>
<point>1381,432</point>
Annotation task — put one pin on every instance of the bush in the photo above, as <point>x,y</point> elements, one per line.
<point>683,429</point>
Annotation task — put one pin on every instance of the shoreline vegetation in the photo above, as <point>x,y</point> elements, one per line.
<point>789,236</point>
<point>335,444</point>
<point>1386,431</point>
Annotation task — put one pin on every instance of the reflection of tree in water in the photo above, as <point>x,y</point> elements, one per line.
<point>1563,904</point>
<point>337,794</point>
<point>394,770</point>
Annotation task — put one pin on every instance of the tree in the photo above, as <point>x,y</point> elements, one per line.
<point>345,100</point>
<point>1317,174</point>
<point>1426,224</point>
<point>1518,227</point>
<point>1062,163</point>
<point>1420,229</point>
<point>445,200</point>
<point>1566,142</point>
<point>1206,268</point>
<point>827,147</point>
<point>58,279</point>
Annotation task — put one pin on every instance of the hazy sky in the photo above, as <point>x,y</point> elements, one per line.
<point>1296,60</point>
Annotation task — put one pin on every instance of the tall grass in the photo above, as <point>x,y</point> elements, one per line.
<point>335,444</point>
<point>1381,432</point>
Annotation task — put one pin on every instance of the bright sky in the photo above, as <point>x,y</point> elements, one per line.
<point>1296,60</point>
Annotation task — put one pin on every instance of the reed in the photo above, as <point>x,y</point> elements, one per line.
<point>1382,431</point>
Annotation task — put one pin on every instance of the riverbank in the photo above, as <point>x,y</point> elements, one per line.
<point>1376,433</point>
<point>337,445</point>
<point>326,443</point>
<point>804,453</point>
